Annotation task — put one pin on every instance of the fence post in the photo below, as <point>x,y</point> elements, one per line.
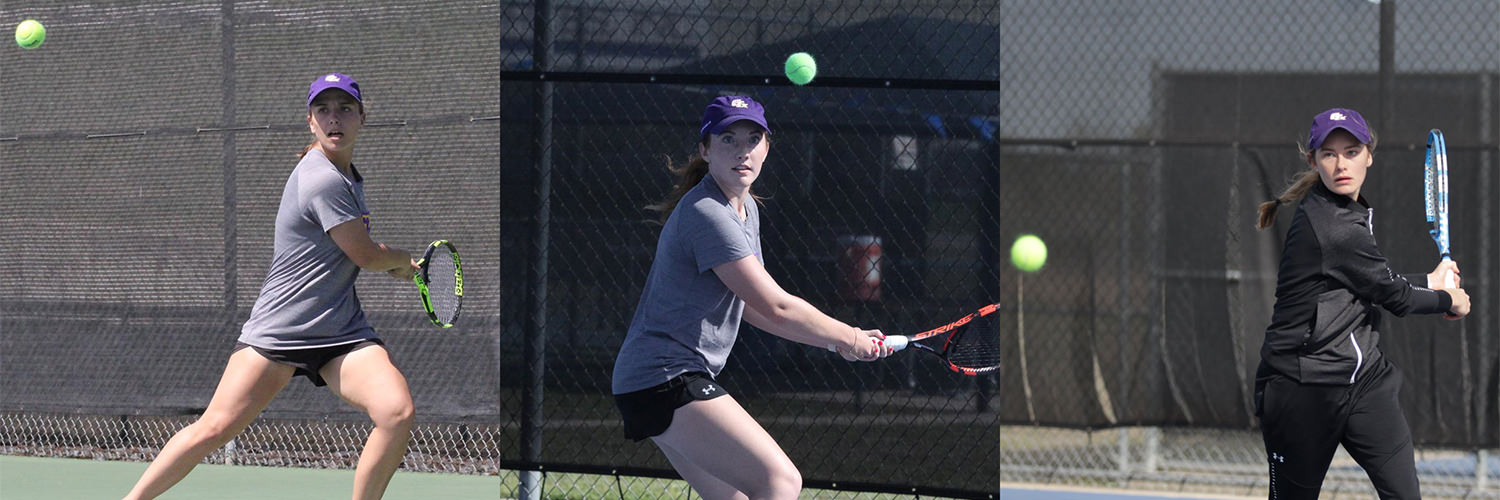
<point>227,166</point>
<point>1488,162</point>
<point>1387,70</point>
<point>989,257</point>
<point>535,342</point>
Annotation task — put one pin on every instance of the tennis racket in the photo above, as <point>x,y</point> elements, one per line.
<point>440,279</point>
<point>964,346</point>
<point>1436,186</point>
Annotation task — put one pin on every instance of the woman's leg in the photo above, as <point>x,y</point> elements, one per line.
<point>1300,424</point>
<point>367,379</point>
<point>1379,439</point>
<point>707,486</point>
<point>724,453</point>
<point>247,386</point>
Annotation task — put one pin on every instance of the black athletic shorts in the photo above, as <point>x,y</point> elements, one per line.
<point>309,361</point>
<point>648,412</point>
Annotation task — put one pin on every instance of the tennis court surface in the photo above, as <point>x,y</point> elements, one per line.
<point>32,478</point>
<point>1021,491</point>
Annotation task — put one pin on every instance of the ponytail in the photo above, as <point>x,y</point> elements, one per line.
<point>1301,184</point>
<point>309,147</point>
<point>690,175</point>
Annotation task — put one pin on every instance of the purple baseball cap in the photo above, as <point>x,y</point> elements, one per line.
<point>339,81</point>
<point>726,110</point>
<point>1337,118</point>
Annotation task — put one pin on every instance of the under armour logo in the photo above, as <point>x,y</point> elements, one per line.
<point>331,78</point>
<point>1337,116</point>
<point>1278,458</point>
<point>708,389</point>
<point>739,103</point>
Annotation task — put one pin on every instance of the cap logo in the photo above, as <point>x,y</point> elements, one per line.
<point>739,103</point>
<point>1337,116</point>
<point>331,78</point>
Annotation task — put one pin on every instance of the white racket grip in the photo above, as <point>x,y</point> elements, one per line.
<point>895,342</point>
<point>1448,279</point>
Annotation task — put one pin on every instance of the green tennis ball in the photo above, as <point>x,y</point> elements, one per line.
<point>30,34</point>
<point>1028,253</point>
<point>801,68</point>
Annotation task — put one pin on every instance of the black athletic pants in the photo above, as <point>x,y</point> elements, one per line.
<point>1303,424</point>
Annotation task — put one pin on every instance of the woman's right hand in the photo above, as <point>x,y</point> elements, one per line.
<point>869,345</point>
<point>404,272</point>
<point>1460,303</point>
<point>1445,269</point>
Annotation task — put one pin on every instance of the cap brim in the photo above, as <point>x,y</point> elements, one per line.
<point>1315,144</point>
<point>326,89</point>
<point>719,128</point>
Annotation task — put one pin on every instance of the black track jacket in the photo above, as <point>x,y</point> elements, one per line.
<point>1326,327</point>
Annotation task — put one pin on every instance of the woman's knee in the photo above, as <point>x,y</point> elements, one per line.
<point>215,429</point>
<point>398,415</point>
<point>785,482</point>
<point>782,482</point>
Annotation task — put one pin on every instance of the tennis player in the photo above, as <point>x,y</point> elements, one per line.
<point>707,275</point>
<point>1322,380</point>
<point>307,320</point>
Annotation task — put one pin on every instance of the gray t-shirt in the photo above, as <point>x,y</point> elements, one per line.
<point>308,297</point>
<point>687,319</point>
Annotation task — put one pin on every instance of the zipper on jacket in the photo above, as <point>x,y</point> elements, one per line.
<point>1359,354</point>
<point>1359,357</point>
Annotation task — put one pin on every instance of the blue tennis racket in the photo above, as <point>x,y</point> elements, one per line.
<point>1436,184</point>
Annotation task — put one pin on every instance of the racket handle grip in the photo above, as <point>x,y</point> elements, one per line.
<point>895,342</point>
<point>1448,281</point>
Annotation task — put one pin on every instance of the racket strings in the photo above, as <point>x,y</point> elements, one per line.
<point>1435,184</point>
<point>442,286</point>
<point>974,347</point>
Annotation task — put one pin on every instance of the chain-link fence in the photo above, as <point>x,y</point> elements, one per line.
<point>1137,139</point>
<point>143,152</point>
<point>1134,137</point>
<point>882,171</point>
